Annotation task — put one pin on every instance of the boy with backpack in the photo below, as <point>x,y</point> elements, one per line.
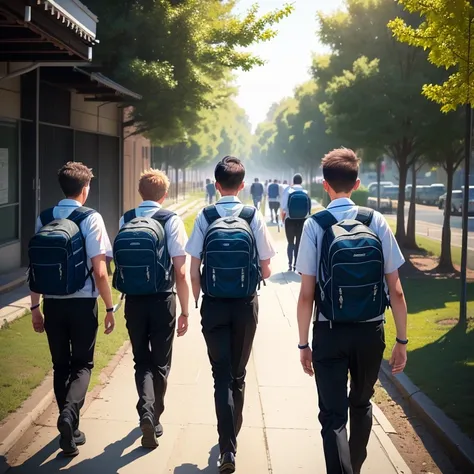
<point>274,200</point>
<point>233,245</point>
<point>295,208</point>
<point>150,260</point>
<point>68,267</point>
<point>349,260</point>
<point>257,191</point>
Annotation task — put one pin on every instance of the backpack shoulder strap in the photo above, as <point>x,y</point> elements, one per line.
<point>129,216</point>
<point>324,219</point>
<point>247,213</point>
<point>79,214</point>
<point>211,214</point>
<point>47,216</point>
<point>365,216</point>
<point>163,216</point>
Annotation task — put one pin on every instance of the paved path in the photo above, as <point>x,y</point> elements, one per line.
<point>280,433</point>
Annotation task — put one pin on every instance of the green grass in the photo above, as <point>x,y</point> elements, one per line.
<point>441,353</point>
<point>25,359</point>
<point>189,222</point>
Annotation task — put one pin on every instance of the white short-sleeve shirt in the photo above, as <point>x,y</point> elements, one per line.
<point>175,232</point>
<point>231,206</point>
<point>96,238</point>
<point>341,209</point>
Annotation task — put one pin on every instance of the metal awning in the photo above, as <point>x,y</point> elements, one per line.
<point>46,30</point>
<point>92,84</point>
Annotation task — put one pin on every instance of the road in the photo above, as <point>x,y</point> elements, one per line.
<point>433,215</point>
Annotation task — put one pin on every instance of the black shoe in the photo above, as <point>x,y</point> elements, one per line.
<point>147,426</point>
<point>79,438</point>
<point>290,268</point>
<point>294,269</point>
<point>67,442</point>
<point>159,430</point>
<point>226,463</point>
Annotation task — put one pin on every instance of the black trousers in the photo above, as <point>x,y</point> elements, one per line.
<point>346,348</point>
<point>293,230</point>
<point>71,327</point>
<point>274,206</point>
<point>229,328</point>
<point>151,322</point>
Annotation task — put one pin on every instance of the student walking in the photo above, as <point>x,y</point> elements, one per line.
<point>349,259</point>
<point>274,200</point>
<point>224,236</point>
<point>150,260</point>
<point>210,191</point>
<point>257,191</point>
<point>68,267</point>
<point>295,208</point>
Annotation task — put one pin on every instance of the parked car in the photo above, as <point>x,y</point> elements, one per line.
<point>372,187</point>
<point>457,201</point>
<point>386,205</point>
<point>390,192</point>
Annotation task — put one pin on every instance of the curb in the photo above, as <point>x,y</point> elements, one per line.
<point>18,423</point>
<point>13,285</point>
<point>458,445</point>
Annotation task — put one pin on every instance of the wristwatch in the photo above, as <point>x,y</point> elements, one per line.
<point>185,315</point>
<point>303,346</point>
<point>402,341</point>
<point>109,310</point>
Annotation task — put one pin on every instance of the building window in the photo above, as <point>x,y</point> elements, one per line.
<point>9,182</point>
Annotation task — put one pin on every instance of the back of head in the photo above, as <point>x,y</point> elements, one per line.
<point>153,185</point>
<point>73,177</point>
<point>341,169</point>
<point>230,173</point>
<point>285,181</point>
<point>208,181</point>
<point>256,180</point>
<point>297,179</point>
<point>275,181</point>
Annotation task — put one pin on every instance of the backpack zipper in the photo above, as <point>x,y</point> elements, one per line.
<point>376,289</point>
<point>121,273</point>
<point>213,277</point>
<point>242,278</point>
<point>60,271</point>
<point>341,298</point>
<point>148,274</point>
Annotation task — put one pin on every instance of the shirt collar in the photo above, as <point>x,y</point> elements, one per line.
<point>150,204</point>
<point>225,199</point>
<point>297,186</point>
<point>340,202</point>
<point>69,203</point>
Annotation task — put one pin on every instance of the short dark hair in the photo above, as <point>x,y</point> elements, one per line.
<point>275,180</point>
<point>73,177</point>
<point>256,180</point>
<point>297,179</point>
<point>341,169</point>
<point>230,173</point>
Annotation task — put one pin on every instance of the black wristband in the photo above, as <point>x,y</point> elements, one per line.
<point>36,306</point>
<point>109,310</point>
<point>304,346</point>
<point>402,341</point>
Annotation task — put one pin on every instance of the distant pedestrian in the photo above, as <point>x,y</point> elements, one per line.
<point>295,207</point>
<point>68,267</point>
<point>235,246</point>
<point>210,191</point>
<point>348,259</point>
<point>274,198</point>
<point>153,238</point>
<point>257,191</point>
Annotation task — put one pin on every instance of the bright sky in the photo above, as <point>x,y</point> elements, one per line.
<point>288,56</point>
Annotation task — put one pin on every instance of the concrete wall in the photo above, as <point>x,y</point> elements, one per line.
<point>94,116</point>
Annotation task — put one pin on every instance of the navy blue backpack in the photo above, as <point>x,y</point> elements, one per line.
<point>57,254</point>
<point>299,205</point>
<point>142,262</point>
<point>351,277</point>
<point>231,268</point>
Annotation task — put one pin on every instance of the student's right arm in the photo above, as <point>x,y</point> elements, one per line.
<point>265,248</point>
<point>398,360</point>
<point>182,288</point>
<point>194,248</point>
<point>196,277</point>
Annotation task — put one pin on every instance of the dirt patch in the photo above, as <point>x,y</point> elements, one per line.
<point>447,322</point>
<point>417,446</point>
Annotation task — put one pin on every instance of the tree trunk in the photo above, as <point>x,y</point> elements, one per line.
<point>403,171</point>
<point>410,239</point>
<point>184,183</point>
<point>445,260</point>
<point>176,174</point>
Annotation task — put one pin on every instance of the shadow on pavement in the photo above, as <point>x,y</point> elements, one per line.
<point>109,461</point>
<point>194,469</point>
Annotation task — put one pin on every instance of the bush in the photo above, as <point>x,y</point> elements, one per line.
<point>361,196</point>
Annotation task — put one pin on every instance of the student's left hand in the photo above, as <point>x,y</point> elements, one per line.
<point>109,323</point>
<point>182,328</point>
<point>306,359</point>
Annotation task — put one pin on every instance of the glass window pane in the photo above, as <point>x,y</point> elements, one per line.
<point>9,161</point>
<point>9,227</point>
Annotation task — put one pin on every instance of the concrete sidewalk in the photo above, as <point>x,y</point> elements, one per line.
<point>281,428</point>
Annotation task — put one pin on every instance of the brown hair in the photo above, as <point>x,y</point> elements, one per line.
<point>341,169</point>
<point>73,177</point>
<point>153,185</point>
